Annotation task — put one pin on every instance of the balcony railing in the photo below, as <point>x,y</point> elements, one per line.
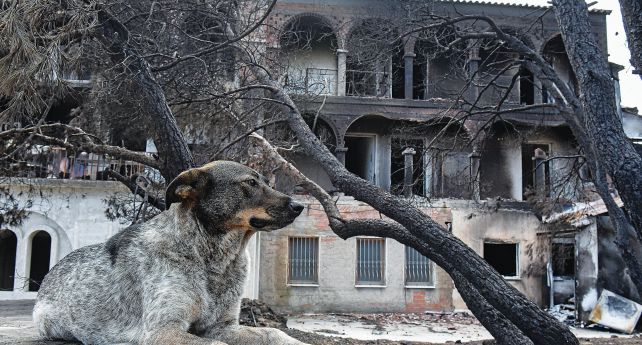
<point>60,163</point>
<point>367,83</point>
<point>315,81</point>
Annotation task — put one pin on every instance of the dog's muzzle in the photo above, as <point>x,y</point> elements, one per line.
<point>280,217</point>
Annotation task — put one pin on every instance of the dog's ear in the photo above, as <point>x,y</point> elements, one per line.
<point>183,188</point>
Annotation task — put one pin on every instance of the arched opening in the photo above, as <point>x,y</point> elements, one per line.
<point>40,257</point>
<point>438,70</point>
<point>375,63</point>
<point>555,53</point>
<point>309,45</point>
<point>8,245</point>
<point>441,166</point>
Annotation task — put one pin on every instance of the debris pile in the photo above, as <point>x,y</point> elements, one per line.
<point>258,314</point>
<point>563,313</point>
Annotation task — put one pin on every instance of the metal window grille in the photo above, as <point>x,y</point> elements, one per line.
<point>303,261</point>
<point>418,268</point>
<point>370,261</point>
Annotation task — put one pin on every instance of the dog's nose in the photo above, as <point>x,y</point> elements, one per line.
<point>295,206</point>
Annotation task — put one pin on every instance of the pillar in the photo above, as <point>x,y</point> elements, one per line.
<point>475,158</point>
<point>408,168</point>
<point>473,68</point>
<point>340,153</point>
<point>586,270</point>
<point>341,72</point>
<point>409,59</point>
<point>539,177</point>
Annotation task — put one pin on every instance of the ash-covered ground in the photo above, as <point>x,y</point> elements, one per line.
<point>16,327</point>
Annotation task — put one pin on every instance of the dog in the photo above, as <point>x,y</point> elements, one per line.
<point>175,279</point>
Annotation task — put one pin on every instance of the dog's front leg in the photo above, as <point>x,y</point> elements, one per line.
<point>171,335</point>
<point>242,335</point>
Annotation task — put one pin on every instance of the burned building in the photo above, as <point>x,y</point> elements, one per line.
<point>396,120</point>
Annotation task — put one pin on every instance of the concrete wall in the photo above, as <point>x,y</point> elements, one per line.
<point>474,225</point>
<point>72,212</point>
<point>336,290</point>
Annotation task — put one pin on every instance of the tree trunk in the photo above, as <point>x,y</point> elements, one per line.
<point>445,249</point>
<point>168,138</point>
<point>602,122</point>
<point>632,18</point>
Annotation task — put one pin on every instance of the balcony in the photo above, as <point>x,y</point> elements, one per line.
<point>59,163</point>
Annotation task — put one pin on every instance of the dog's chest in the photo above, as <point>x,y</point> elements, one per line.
<point>224,289</point>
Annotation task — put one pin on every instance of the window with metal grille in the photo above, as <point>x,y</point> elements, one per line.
<point>303,260</point>
<point>371,261</point>
<point>418,269</point>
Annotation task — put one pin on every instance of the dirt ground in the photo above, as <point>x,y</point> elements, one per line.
<point>16,327</point>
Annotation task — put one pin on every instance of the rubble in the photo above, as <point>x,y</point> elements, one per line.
<point>258,314</point>
<point>563,313</point>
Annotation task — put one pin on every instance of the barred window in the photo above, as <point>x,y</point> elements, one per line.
<point>418,269</point>
<point>370,261</point>
<point>303,260</point>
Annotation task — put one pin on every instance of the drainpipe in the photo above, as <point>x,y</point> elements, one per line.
<point>408,155</point>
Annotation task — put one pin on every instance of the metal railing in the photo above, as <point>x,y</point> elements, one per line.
<point>315,81</point>
<point>370,261</point>
<point>367,83</point>
<point>418,269</point>
<point>303,260</point>
<point>59,163</point>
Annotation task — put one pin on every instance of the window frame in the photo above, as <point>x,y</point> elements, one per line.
<point>289,281</point>
<point>384,259</point>
<point>431,272</point>
<point>517,259</point>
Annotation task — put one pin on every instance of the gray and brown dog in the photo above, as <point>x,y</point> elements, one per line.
<point>176,279</point>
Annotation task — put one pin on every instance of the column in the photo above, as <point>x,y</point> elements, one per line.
<point>340,153</point>
<point>586,270</point>
<point>475,158</point>
<point>341,72</point>
<point>539,177</point>
<point>473,68</point>
<point>408,155</point>
<point>409,59</point>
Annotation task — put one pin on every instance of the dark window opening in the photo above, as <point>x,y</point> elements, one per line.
<point>526,86</point>
<point>397,165</point>
<point>502,257</point>
<point>360,157</point>
<point>63,111</point>
<point>563,259</point>
<point>528,167</point>
<point>419,77</point>
<point>8,245</point>
<point>40,255</point>
<point>398,75</point>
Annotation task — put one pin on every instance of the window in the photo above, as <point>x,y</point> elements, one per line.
<point>418,269</point>
<point>371,261</point>
<point>8,244</point>
<point>40,257</point>
<point>303,260</point>
<point>360,157</point>
<point>504,257</point>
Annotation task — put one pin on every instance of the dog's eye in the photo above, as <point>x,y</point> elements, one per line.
<point>252,182</point>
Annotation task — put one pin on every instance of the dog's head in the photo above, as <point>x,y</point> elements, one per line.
<point>229,195</point>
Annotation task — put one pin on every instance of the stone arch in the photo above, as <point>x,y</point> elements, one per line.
<point>8,253</point>
<point>553,50</point>
<point>323,129</point>
<point>315,20</point>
